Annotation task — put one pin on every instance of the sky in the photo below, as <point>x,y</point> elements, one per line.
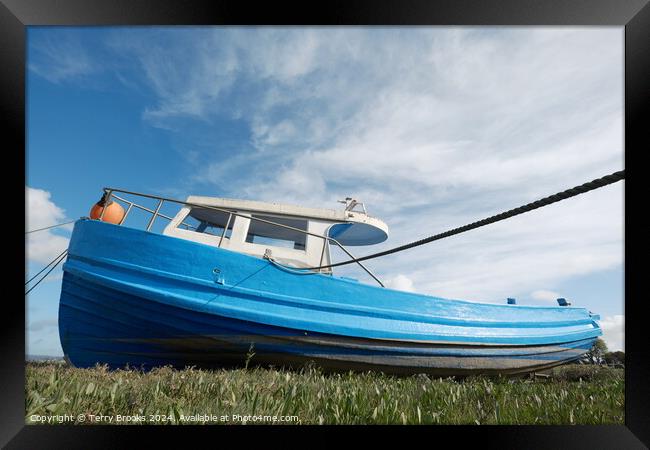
<point>430,127</point>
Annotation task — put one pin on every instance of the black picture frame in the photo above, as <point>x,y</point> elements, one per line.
<point>634,15</point>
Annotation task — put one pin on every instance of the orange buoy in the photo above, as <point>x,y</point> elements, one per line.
<point>114,211</point>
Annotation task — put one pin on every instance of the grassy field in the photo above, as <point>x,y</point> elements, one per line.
<point>573,394</point>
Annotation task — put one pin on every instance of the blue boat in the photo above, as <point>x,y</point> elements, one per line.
<point>227,283</point>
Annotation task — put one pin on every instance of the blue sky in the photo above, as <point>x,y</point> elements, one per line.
<point>431,127</point>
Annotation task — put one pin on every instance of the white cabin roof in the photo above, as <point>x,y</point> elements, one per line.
<point>349,227</point>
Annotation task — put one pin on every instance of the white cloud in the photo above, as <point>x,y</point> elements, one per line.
<point>544,295</point>
<point>60,57</point>
<point>43,246</point>
<point>401,283</point>
<point>39,325</point>
<point>614,332</point>
<point>55,275</point>
<point>519,255</point>
<point>431,127</point>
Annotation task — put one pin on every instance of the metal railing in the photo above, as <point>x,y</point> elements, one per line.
<point>110,192</point>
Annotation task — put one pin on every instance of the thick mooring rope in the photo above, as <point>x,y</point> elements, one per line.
<point>586,187</point>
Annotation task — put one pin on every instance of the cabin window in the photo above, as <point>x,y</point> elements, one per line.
<point>207,221</point>
<point>266,234</point>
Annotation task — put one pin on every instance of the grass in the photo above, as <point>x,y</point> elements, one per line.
<point>571,394</point>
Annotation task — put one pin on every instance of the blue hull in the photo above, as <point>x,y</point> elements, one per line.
<point>131,297</point>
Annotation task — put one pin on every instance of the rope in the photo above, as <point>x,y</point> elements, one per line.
<point>60,258</point>
<point>52,226</point>
<point>581,189</point>
<point>294,270</point>
<point>43,269</point>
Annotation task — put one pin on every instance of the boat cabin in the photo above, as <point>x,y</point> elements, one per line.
<point>292,235</point>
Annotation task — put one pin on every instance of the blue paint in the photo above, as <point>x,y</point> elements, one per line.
<point>130,296</point>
